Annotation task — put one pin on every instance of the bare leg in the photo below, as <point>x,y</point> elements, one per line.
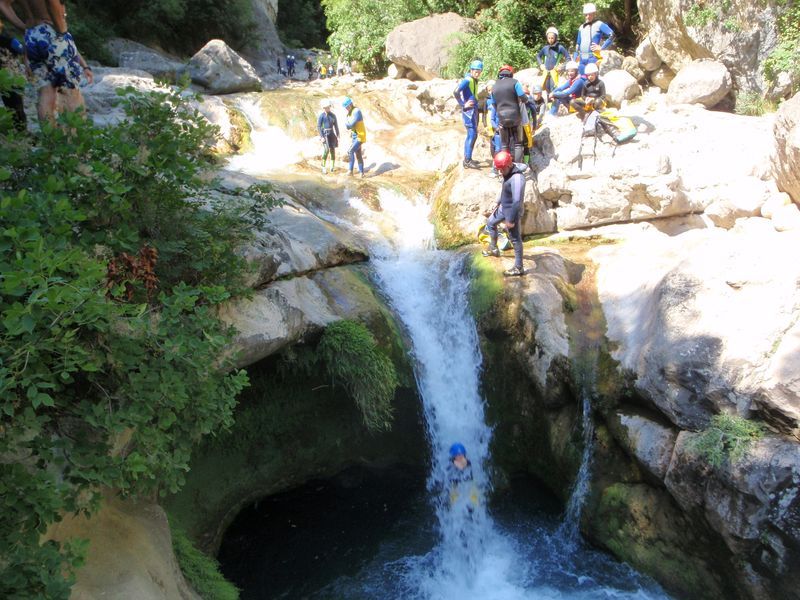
<point>73,100</point>
<point>47,104</point>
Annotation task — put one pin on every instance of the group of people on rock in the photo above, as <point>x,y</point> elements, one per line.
<point>328,129</point>
<point>514,111</point>
<point>48,54</point>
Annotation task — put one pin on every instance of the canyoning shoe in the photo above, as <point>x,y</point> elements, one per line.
<point>324,171</point>
<point>350,173</point>
<point>514,272</point>
<point>471,164</point>
<point>491,252</point>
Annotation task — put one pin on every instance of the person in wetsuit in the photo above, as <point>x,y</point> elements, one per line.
<point>328,129</point>
<point>466,96</point>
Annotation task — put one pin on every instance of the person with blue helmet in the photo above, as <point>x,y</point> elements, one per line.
<point>593,37</point>
<point>358,134</point>
<point>466,96</point>
<point>459,477</point>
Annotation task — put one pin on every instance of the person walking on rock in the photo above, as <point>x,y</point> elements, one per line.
<point>466,96</point>
<point>358,135</point>
<point>508,210</point>
<point>593,37</point>
<point>328,129</point>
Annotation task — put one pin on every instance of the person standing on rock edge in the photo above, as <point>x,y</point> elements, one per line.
<point>590,35</point>
<point>508,210</point>
<point>53,58</point>
<point>358,135</point>
<point>549,59</point>
<point>466,96</point>
<point>328,129</point>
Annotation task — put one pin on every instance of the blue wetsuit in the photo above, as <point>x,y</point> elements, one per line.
<point>464,93</point>
<point>548,59</point>
<point>491,108</point>
<point>588,34</point>
<point>354,151</point>
<point>510,210</point>
<point>564,93</point>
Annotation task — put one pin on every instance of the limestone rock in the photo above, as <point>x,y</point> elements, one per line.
<point>741,36</point>
<point>423,46</point>
<point>702,81</point>
<point>130,552</point>
<point>285,311</point>
<point>220,70</point>
<point>662,77</point>
<point>631,65</point>
<point>646,440</point>
<point>612,60</point>
<point>264,45</point>
<point>686,325</point>
<point>787,137</point>
<point>773,203</point>
<point>787,218</point>
<point>620,85</point>
<point>647,56</point>
<point>395,72</point>
<point>742,198</point>
<point>102,100</point>
<point>154,63</point>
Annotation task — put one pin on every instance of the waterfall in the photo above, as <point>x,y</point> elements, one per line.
<point>570,528</point>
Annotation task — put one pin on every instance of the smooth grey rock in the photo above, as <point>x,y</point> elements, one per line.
<point>650,443</point>
<point>704,82</point>
<point>220,70</point>
<point>620,86</point>
<point>647,56</point>
<point>662,77</point>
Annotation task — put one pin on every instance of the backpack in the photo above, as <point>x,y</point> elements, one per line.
<point>620,128</point>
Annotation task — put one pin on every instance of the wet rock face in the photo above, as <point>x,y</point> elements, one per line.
<point>423,46</point>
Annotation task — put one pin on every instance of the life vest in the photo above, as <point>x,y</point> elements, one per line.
<point>358,128</point>
<point>507,102</point>
<point>592,29</point>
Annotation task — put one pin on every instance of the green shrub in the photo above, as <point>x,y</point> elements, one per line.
<point>114,257</point>
<point>727,438</point>
<point>350,355</point>
<point>753,104</point>
<point>784,57</point>
<point>700,15</point>
<point>201,571</point>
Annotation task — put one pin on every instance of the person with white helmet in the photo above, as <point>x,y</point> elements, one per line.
<point>549,59</point>
<point>538,103</point>
<point>592,95</point>
<point>466,96</point>
<point>593,36</point>
<point>571,88</point>
<point>328,129</point>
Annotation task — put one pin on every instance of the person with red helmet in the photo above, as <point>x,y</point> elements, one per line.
<point>508,210</point>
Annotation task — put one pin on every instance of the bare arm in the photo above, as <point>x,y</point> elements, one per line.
<point>58,12</point>
<point>8,13</point>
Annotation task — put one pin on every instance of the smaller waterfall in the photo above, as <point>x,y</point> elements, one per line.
<point>570,528</point>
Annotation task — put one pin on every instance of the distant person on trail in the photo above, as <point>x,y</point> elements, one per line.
<point>508,210</point>
<point>567,91</point>
<point>328,129</point>
<point>358,135</point>
<point>508,94</point>
<point>11,52</point>
<point>280,70</point>
<point>466,96</point>
<point>592,95</point>
<point>52,56</point>
<point>309,68</point>
<point>323,70</point>
<point>549,59</point>
<point>590,35</point>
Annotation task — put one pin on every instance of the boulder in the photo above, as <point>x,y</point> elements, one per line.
<point>612,60</point>
<point>220,70</point>
<point>631,65</point>
<point>662,77</point>
<point>704,82</point>
<point>740,34</point>
<point>423,46</point>
<point>646,55</point>
<point>102,100</point>
<point>130,552</point>
<point>787,139</point>
<point>156,64</point>
<point>528,76</point>
<point>787,218</point>
<point>620,85</point>
<point>395,72</point>
<point>773,203</point>
<point>264,45</point>
<point>742,197</point>
<point>649,442</point>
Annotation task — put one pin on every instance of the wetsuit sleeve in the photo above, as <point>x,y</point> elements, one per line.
<point>520,92</point>
<point>320,128</point>
<point>335,122</point>
<point>576,88</point>
<point>540,56</point>
<point>461,93</point>
<point>563,52</point>
<point>493,117</point>
<point>606,31</point>
<point>577,53</point>
<point>511,211</point>
<point>559,91</point>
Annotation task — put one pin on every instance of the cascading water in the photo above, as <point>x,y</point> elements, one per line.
<point>470,551</point>
<point>570,528</point>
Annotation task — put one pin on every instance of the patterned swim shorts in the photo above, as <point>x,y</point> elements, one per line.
<point>53,57</point>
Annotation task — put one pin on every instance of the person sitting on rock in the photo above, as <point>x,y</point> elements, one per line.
<point>328,129</point>
<point>571,88</point>
<point>549,59</point>
<point>508,210</point>
<point>355,123</point>
<point>590,35</point>
<point>592,95</point>
<point>466,96</point>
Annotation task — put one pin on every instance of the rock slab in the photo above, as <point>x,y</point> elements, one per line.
<point>220,70</point>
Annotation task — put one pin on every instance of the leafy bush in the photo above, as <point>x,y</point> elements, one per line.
<point>350,355</point>
<point>201,571</point>
<point>727,438</point>
<point>784,57</point>
<point>114,257</point>
<point>753,104</point>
